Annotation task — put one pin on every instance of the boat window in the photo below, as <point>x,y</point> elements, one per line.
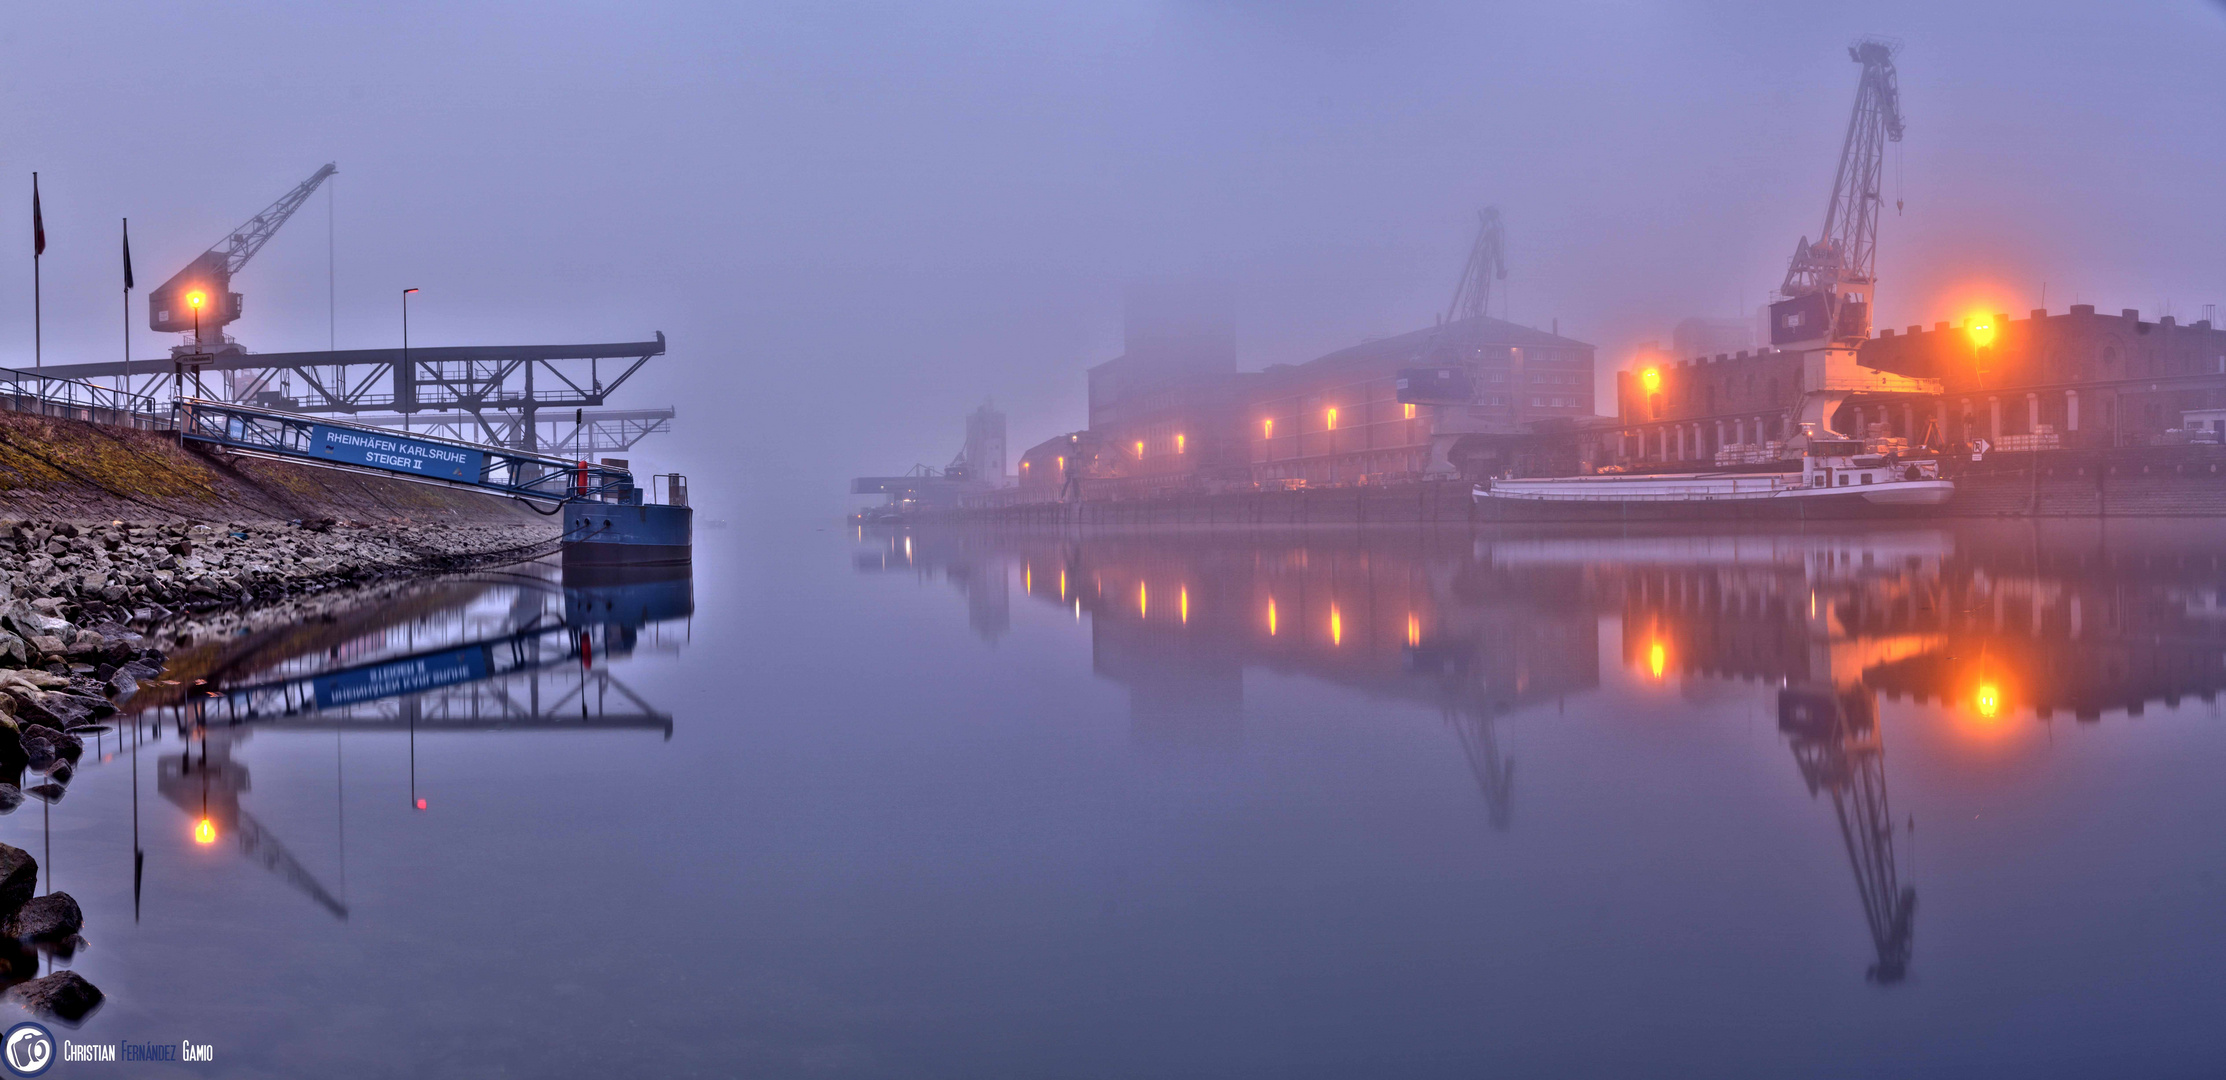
<point>1843,479</point>
<point>1866,478</point>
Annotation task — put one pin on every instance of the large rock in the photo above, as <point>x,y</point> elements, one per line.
<point>53,916</point>
<point>69,746</point>
<point>19,877</point>
<point>64,995</point>
<point>11,797</point>
<point>47,793</point>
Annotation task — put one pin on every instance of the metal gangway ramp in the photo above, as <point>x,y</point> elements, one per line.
<point>325,443</point>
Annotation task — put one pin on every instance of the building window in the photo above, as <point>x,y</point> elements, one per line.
<point>1408,410</point>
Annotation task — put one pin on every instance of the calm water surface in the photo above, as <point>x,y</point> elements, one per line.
<point>1923,802</point>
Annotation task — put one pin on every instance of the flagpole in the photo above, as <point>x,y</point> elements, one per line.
<point>126,387</point>
<point>38,248</point>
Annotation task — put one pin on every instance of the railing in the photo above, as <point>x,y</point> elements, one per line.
<point>497,469</point>
<point>76,399</point>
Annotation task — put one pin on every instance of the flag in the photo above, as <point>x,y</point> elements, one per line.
<point>38,221</point>
<point>127,254</point>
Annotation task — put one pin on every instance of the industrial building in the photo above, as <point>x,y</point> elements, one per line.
<point>2076,380</point>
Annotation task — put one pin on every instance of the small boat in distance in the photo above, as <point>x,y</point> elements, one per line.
<point>1834,478</point>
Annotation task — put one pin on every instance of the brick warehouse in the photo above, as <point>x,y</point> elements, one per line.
<point>1172,415</point>
<point>2075,380</point>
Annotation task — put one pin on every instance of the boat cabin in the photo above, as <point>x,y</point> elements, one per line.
<point>1844,463</point>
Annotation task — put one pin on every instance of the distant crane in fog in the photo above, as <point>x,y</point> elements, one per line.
<point>1472,297</point>
<point>1829,283</point>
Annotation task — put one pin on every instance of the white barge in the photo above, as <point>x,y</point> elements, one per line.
<point>1833,479</point>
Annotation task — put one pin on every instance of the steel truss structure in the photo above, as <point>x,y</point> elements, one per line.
<point>502,389</point>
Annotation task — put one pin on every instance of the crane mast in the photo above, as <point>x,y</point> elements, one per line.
<point>1828,283</point>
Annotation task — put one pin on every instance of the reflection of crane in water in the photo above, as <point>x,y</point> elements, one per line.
<point>1836,743</point>
<point>210,790</point>
<point>1465,700</point>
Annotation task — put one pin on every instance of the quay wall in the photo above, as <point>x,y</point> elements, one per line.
<point>2165,481</point>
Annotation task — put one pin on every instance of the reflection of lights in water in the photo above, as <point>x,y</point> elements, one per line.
<point>1336,626</point>
<point>1988,700</point>
<point>1027,578</point>
<point>1271,616</point>
<point>204,831</point>
<point>1078,609</point>
<point>1143,601</point>
<point>1414,630</point>
<point>1657,659</point>
<point>1182,602</point>
<point>907,549</point>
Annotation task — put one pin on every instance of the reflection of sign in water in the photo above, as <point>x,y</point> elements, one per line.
<point>395,453</point>
<point>402,677</point>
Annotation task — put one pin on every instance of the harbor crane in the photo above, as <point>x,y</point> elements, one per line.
<point>1825,306</point>
<point>1472,296</point>
<point>199,300</point>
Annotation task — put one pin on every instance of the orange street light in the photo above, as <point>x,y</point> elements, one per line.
<point>204,831</point>
<point>1982,331</point>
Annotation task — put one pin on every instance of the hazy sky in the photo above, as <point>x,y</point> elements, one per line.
<point>855,221</point>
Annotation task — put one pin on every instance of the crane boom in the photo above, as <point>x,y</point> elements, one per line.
<point>199,300</point>
<point>1828,283</point>
<point>1472,297</point>
<point>249,238</point>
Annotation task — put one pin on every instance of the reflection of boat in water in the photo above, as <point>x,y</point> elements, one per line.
<point>519,650</point>
<point>1834,479</point>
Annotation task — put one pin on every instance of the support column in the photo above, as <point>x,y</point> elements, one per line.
<point>1993,418</point>
<point>2071,410</point>
<point>2032,414</point>
<point>1909,421</point>
<point>1940,419</point>
<point>1739,431</point>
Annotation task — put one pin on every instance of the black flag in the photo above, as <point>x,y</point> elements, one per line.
<point>127,254</point>
<point>38,221</point>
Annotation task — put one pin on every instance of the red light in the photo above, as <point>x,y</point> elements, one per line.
<point>421,804</point>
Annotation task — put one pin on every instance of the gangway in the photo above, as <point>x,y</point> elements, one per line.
<point>327,443</point>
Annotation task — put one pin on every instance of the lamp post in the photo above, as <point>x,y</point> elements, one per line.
<point>411,376</point>
<point>195,300</point>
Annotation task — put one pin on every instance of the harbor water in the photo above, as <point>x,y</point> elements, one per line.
<point>1905,800</point>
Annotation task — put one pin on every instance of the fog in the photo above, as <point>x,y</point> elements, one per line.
<point>854,222</point>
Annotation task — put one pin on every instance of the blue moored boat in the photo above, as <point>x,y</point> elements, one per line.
<point>629,530</point>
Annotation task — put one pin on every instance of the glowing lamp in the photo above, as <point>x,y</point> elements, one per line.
<point>204,831</point>
<point>1988,700</point>
<point>1982,331</point>
<point>1178,442</point>
<point>196,298</point>
<point>1651,379</point>
<point>1139,448</point>
<point>1329,420</point>
<point>1657,659</point>
<point>421,804</point>
<point>1267,428</point>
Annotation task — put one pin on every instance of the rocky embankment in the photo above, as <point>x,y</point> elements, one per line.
<point>144,574</point>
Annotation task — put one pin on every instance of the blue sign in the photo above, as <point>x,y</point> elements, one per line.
<point>408,676</point>
<point>396,453</point>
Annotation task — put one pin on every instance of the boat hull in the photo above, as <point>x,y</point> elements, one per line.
<point>614,534</point>
<point>1645,501</point>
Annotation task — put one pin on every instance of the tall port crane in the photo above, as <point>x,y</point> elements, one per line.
<point>1825,306</point>
<point>199,300</point>
<point>1828,282</point>
<point>1472,296</point>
